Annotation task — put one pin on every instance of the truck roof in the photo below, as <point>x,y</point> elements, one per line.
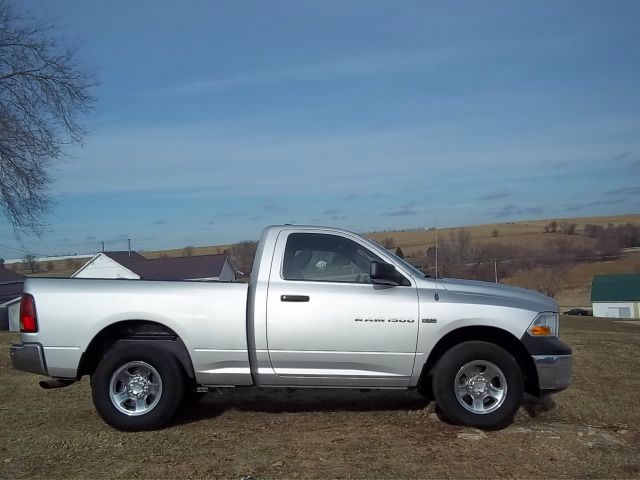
<point>310,227</point>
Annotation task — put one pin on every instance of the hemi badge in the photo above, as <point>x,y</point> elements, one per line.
<point>429,320</point>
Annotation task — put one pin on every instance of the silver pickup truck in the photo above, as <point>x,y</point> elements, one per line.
<point>324,308</point>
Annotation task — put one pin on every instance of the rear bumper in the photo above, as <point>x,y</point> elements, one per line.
<point>28,357</point>
<point>554,371</point>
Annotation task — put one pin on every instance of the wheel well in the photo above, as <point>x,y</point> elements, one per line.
<point>138,331</point>
<point>494,335</point>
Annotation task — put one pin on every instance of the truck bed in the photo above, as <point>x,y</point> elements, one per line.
<point>209,317</point>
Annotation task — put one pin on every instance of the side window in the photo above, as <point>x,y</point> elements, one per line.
<point>326,258</point>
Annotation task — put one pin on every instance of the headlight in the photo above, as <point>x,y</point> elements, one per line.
<point>544,325</point>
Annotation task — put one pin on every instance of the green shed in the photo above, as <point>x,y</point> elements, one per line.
<point>616,296</point>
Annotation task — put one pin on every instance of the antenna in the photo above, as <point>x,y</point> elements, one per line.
<point>436,296</point>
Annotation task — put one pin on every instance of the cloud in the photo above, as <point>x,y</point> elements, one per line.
<point>341,68</point>
<point>332,211</point>
<point>624,191</point>
<point>620,156</point>
<point>270,207</point>
<point>232,214</point>
<point>90,237</point>
<point>596,203</point>
<point>157,165</point>
<point>160,222</point>
<point>513,210</point>
<point>122,237</point>
<point>554,163</point>
<point>211,222</point>
<point>333,214</point>
<point>401,212</point>
<point>495,195</point>
<point>350,197</point>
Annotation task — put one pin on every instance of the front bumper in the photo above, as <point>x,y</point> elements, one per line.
<point>554,371</point>
<point>553,361</point>
<point>28,357</point>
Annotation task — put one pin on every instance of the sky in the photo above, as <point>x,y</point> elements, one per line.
<point>215,119</point>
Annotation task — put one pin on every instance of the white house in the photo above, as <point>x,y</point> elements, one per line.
<point>616,296</point>
<point>11,284</point>
<point>13,313</point>
<point>111,265</point>
<point>132,265</point>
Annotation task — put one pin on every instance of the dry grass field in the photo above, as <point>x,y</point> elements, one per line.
<point>524,234</point>
<point>179,252</point>
<point>591,432</point>
<point>576,291</point>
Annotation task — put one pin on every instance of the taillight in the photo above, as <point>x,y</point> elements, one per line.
<point>28,318</point>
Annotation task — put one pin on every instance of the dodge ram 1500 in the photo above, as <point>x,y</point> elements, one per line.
<point>324,308</point>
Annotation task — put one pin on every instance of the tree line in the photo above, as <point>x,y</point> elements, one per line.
<point>546,264</point>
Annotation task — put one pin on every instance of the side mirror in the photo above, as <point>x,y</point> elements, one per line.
<point>384,274</point>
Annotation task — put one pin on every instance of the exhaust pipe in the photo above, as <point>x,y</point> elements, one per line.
<point>49,383</point>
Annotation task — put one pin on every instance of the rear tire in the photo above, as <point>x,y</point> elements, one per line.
<point>478,384</point>
<point>137,386</point>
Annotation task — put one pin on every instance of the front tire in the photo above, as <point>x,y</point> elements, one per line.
<point>478,384</point>
<point>137,386</point>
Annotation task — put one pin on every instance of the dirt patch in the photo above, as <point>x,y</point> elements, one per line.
<point>590,430</point>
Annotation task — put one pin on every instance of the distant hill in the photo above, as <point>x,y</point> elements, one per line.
<point>532,234</point>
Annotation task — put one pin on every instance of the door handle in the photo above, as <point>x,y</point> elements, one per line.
<point>294,298</point>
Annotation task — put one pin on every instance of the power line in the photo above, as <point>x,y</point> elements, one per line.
<point>25,251</point>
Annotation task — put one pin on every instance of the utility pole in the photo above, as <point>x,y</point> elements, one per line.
<point>129,240</point>
<point>102,246</point>
<point>495,269</point>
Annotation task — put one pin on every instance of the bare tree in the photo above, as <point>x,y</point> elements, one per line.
<point>389,243</point>
<point>456,252</point>
<point>43,91</point>
<point>30,261</point>
<point>568,228</point>
<point>549,280</point>
<point>188,251</point>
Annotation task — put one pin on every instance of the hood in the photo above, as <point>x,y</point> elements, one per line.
<point>496,293</point>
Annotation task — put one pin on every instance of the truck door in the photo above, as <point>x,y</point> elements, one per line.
<point>328,324</point>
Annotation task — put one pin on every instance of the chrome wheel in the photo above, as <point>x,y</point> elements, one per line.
<point>480,387</point>
<point>135,388</point>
